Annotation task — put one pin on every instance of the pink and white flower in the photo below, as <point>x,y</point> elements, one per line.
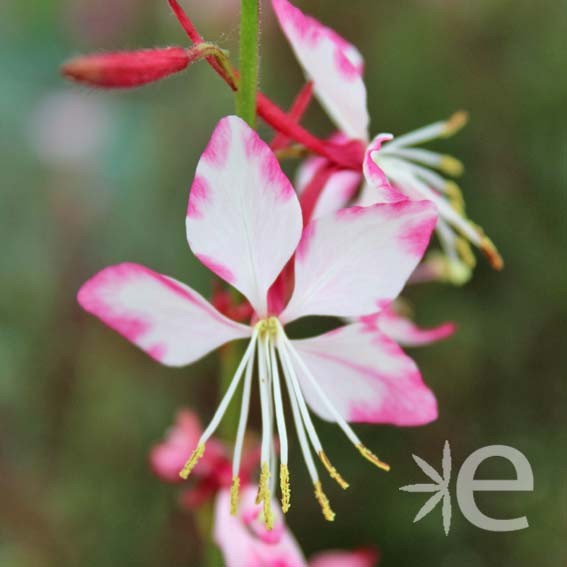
<point>393,168</point>
<point>244,223</point>
<point>245,541</point>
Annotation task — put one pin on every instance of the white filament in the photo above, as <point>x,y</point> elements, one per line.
<point>280,416</point>
<point>324,398</point>
<point>263,387</point>
<point>445,209</point>
<point>390,164</point>
<point>303,442</point>
<point>425,157</point>
<point>244,410</point>
<point>419,136</point>
<point>221,410</point>
<point>292,379</point>
<point>447,239</point>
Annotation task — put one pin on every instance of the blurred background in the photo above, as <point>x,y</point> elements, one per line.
<point>95,178</point>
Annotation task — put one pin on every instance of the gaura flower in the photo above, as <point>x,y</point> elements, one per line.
<point>244,540</point>
<point>393,168</point>
<point>244,223</point>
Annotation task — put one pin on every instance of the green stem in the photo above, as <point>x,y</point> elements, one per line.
<point>246,95</point>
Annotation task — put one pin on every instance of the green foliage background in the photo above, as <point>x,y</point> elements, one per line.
<point>79,407</point>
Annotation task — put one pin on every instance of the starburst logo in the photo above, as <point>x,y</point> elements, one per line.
<point>467,485</point>
<point>439,487</point>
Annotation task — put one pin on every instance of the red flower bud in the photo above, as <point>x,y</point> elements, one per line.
<point>128,69</point>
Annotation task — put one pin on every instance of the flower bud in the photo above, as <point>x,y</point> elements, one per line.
<point>127,69</point>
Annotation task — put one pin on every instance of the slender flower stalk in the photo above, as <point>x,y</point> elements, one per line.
<point>248,85</point>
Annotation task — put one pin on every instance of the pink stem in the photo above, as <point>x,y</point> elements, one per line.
<point>348,156</point>
<point>295,113</point>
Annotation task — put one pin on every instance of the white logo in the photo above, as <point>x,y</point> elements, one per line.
<point>467,485</point>
<point>440,488</point>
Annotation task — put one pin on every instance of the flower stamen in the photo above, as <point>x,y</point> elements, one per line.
<point>315,442</point>
<point>221,410</point>
<point>309,462</point>
<point>451,166</point>
<point>192,461</point>
<point>366,453</point>
<point>370,456</point>
<point>335,475</point>
<point>244,410</point>
<point>265,496</point>
<point>455,123</point>
<point>328,513</point>
<point>285,488</point>
<point>264,492</point>
<point>441,129</point>
<point>234,495</point>
<point>282,430</point>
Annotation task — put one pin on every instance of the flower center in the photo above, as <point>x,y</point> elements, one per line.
<point>268,328</point>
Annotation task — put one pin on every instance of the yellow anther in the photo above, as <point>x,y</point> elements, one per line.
<point>193,460</point>
<point>455,196</point>
<point>465,252</point>
<point>457,272</point>
<point>262,483</point>
<point>451,166</point>
<point>370,456</point>
<point>268,517</point>
<point>444,269</point>
<point>333,471</point>
<point>328,513</point>
<point>265,496</point>
<point>490,251</point>
<point>234,495</point>
<point>455,123</point>
<point>285,489</point>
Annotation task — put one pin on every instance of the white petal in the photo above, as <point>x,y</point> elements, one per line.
<point>244,219</point>
<point>333,64</point>
<point>367,377</point>
<point>168,320</point>
<point>350,263</point>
